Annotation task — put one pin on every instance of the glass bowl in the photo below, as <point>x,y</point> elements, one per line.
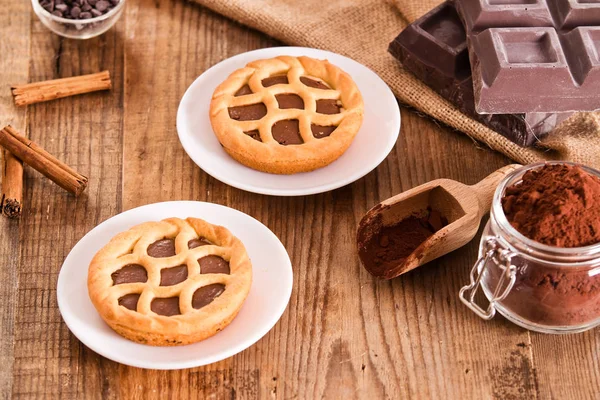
<point>78,28</point>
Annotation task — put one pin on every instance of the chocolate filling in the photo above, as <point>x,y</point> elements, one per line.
<point>130,301</point>
<point>192,244</point>
<point>173,276</point>
<point>251,112</point>
<point>312,83</point>
<point>129,274</point>
<point>213,265</point>
<point>162,248</point>
<point>275,80</point>
<point>328,106</point>
<point>244,90</point>
<point>206,294</point>
<point>254,134</point>
<point>320,131</point>
<point>289,100</point>
<point>166,306</point>
<point>287,132</point>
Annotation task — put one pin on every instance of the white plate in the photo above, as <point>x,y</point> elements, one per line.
<point>372,144</point>
<point>266,302</point>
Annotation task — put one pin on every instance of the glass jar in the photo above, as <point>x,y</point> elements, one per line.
<point>539,287</point>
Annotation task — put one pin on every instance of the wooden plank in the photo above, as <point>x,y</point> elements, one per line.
<point>343,332</point>
<point>568,365</point>
<point>415,330</point>
<point>14,64</point>
<point>85,133</point>
<point>161,63</point>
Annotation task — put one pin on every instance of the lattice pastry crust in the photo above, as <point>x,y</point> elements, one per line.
<point>191,325</point>
<point>268,154</point>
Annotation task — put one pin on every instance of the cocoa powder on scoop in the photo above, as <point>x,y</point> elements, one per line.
<point>392,244</point>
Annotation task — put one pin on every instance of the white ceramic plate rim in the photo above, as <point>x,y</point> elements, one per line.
<point>186,138</point>
<point>79,330</point>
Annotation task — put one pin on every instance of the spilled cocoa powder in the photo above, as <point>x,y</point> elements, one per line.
<point>390,245</point>
<point>557,205</point>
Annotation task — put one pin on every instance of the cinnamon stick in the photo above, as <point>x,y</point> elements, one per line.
<point>42,161</point>
<point>57,88</point>
<point>12,186</point>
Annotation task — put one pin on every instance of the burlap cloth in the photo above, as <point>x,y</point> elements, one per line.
<point>362,30</point>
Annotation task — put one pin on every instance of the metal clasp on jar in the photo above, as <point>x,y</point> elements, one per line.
<point>501,257</point>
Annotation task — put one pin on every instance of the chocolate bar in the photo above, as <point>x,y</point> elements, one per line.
<point>533,55</point>
<point>434,48</point>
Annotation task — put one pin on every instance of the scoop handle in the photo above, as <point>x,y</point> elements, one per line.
<point>487,186</point>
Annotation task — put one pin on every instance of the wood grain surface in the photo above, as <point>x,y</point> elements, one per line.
<point>343,335</point>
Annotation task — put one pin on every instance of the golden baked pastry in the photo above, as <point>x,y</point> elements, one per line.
<point>171,282</point>
<point>287,114</point>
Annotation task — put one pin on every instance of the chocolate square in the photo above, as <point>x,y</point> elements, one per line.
<point>511,53</point>
<point>439,39</point>
<point>508,56</point>
<point>530,47</point>
<point>445,26</point>
<point>480,14</point>
<point>572,13</point>
<point>583,52</point>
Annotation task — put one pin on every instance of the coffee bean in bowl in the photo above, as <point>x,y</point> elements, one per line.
<point>78,19</point>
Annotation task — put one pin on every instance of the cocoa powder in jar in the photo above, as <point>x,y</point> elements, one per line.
<point>556,205</point>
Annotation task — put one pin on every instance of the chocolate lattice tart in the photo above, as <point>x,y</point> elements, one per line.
<point>287,114</point>
<point>171,282</point>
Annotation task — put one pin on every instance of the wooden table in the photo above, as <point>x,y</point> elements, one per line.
<point>344,334</point>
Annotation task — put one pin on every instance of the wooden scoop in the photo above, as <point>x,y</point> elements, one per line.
<point>462,205</point>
